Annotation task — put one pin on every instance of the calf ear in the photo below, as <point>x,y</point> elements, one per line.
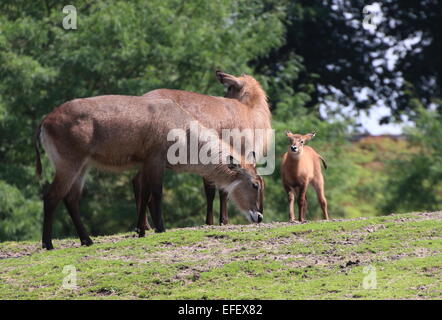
<point>309,136</point>
<point>229,80</point>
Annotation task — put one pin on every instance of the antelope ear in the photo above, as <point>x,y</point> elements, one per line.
<point>229,80</point>
<point>310,136</point>
<point>288,133</point>
<point>251,158</point>
<point>232,163</point>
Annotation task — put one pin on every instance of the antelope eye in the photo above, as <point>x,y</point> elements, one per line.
<point>255,185</point>
<point>302,141</point>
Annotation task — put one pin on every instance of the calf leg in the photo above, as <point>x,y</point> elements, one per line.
<point>223,212</point>
<point>291,200</point>
<point>72,203</point>
<point>319,188</point>
<point>302,203</point>
<point>209,190</point>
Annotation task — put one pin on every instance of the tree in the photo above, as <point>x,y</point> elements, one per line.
<point>339,59</point>
<point>416,181</point>
<point>119,47</point>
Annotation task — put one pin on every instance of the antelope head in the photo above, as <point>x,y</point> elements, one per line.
<point>246,190</point>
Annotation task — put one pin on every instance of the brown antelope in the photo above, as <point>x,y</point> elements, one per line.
<point>243,107</point>
<point>301,166</point>
<point>143,224</point>
<point>118,132</point>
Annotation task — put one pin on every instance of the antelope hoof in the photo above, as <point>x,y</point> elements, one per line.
<point>86,242</point>
<point>141,232</point>
<point>47,245</point>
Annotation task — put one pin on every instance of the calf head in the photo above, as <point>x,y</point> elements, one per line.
<point>298,141</point>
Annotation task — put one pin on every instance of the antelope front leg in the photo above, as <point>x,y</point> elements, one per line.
<point>142,197</point>
<point>210,191</point>
<point>154,180</point>
<point>155,209</point>
<point>223,214</point>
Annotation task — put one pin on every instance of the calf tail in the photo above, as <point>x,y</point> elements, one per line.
<point>323,162</point>
<point>38,167</point>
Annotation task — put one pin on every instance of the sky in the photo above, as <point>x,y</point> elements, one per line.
<point>371,124</point>
<point>370,121</point>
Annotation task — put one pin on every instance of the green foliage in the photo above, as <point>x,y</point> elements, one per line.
<point>119,47</point>
<point>416,181</point>
<point>340,57</point>
<point>20,217</point>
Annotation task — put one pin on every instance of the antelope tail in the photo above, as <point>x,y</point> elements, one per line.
<point>323,162</point>
<point>38,168</point>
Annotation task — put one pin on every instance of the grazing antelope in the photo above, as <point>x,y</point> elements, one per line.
<point>243,107</point>
<point>209,188</point>
<point>118,132</point>
<point>301,166</point>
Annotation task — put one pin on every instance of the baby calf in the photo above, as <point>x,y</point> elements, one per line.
<point>301,166</point>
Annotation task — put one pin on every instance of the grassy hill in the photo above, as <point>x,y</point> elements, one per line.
<point>315,260</point>
<point>371,157</point>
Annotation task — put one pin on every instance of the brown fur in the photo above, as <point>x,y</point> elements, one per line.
<point>244,107</point>
<point>301,165</point>
<point>119,132</point>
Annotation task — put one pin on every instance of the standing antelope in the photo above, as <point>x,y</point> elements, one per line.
<point>301,166</point>
<point>117,132</point>
<point>244,107</point>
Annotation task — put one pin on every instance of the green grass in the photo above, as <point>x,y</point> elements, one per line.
<point>316,260</point>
